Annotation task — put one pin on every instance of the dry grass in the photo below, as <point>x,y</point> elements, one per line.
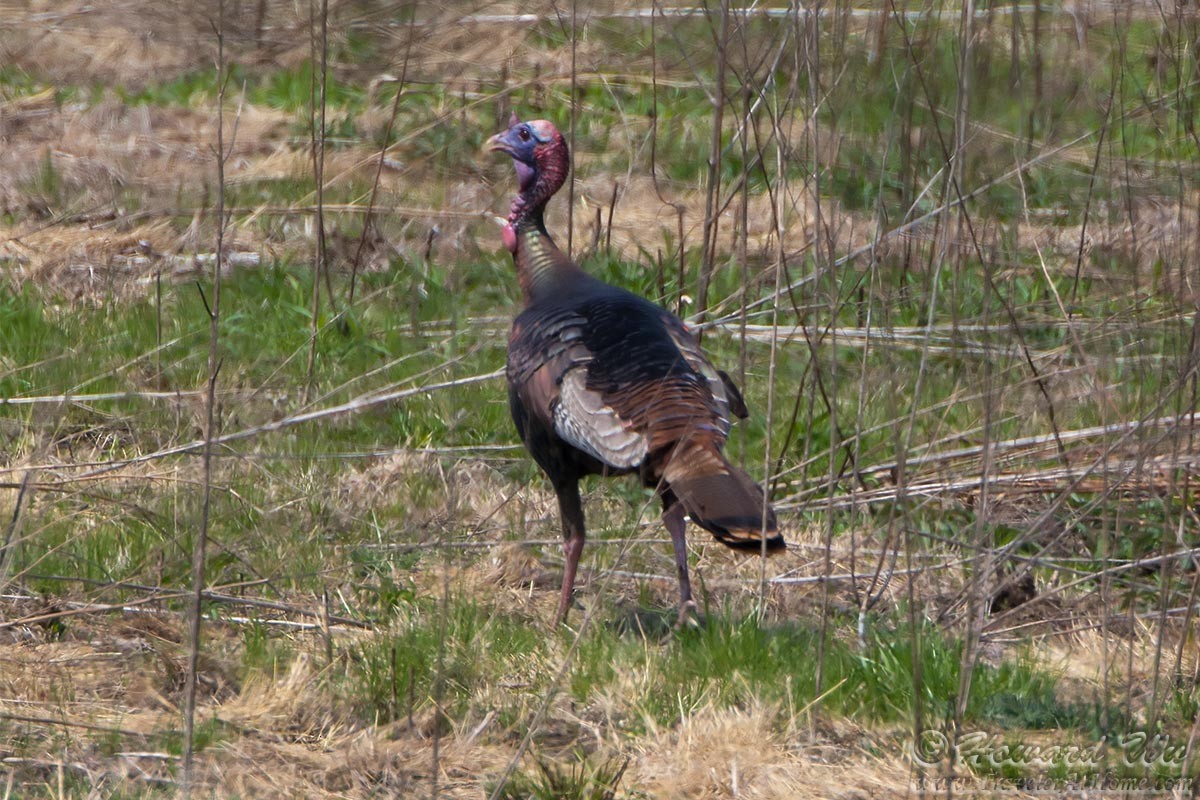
<point>280,734</point>
<point>719,753</point>
<point>128,44</point>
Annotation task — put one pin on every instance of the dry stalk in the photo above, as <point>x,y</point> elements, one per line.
<point>200,543</point>
<point>387,136</point>
<point>317,109</point>
<point>24,493</point>
<point>713,183</point>
<point>99,469</point>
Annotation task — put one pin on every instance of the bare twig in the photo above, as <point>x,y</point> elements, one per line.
<point>10,531</point>
<point>358,404</point>
<point>316,119</point>
<point>200,542</point>
<point>387,136</point>
<point>713,184</point>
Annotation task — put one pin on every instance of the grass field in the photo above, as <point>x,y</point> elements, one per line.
<point>950,256</point>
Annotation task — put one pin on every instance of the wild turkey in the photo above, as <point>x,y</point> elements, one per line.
<point>603,382</point>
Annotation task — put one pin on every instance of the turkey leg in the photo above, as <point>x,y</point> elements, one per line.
<point>570,508</point>
<point>673,519</point>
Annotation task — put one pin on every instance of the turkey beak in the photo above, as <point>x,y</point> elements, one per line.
<point>499,143</point>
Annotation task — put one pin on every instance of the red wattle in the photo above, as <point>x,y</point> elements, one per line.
<point>509,236</point>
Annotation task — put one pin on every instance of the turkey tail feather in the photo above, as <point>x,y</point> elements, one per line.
<point>722,499</point>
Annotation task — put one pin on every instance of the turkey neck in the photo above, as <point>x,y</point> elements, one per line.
<point>543,270</point>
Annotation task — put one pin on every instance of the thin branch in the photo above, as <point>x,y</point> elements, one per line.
<point>358,404</point>
<point>387,136</point>
<point>200,543</point>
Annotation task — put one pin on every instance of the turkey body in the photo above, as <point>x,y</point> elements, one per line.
<point>598,385</point>
<point>603,382</point>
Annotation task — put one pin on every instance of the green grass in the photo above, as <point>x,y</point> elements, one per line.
<point>265,335</point>
<point>582,780</point>
<point>286,89</point>
<point>472,660</point>
<point>427,657</point>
